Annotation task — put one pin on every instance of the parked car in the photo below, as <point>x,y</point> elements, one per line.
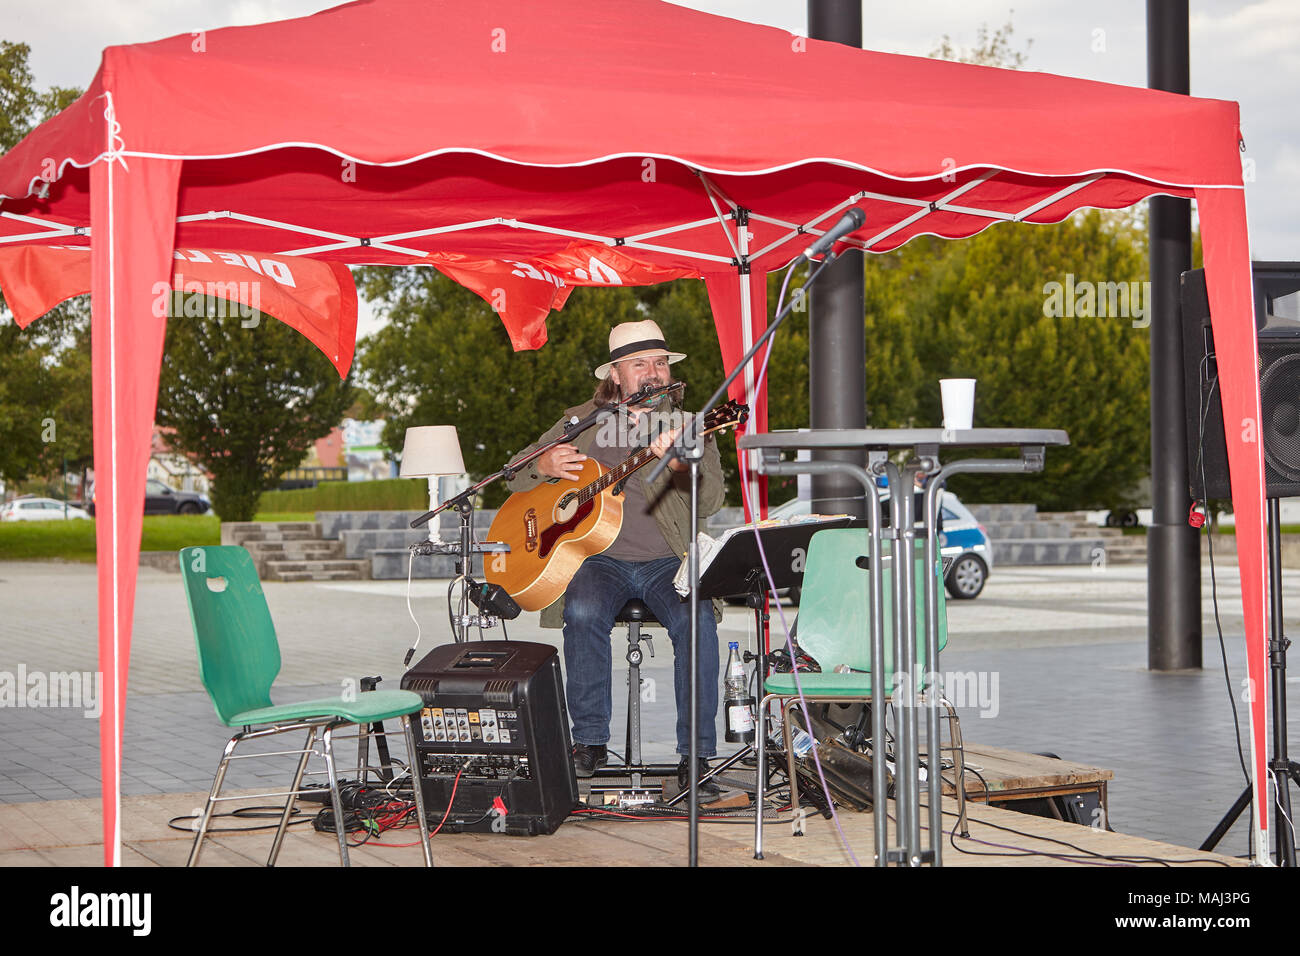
<point>961,538</point>
<point>162,500</point>
<point>39,509</point>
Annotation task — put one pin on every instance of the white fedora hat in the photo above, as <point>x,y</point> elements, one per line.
<point>633,340</point>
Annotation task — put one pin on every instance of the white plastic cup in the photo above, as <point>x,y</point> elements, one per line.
<point>958,396</point>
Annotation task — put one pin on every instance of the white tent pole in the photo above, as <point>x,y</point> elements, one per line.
<point>61,234</point>
<point>115,500</point>
<point>684,227</point>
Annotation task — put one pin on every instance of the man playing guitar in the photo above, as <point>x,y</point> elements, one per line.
<point>643,558</point>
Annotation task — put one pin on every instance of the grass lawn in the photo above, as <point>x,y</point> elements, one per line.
<point>75,540</point>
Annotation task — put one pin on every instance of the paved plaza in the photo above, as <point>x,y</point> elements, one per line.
<point>1051,659</point>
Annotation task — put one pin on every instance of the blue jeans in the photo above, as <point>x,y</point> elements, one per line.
<point>595,595</point>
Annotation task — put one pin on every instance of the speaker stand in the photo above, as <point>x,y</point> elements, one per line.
<point>1284,770</point>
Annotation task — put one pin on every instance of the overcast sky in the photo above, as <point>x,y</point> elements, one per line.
<point>1243,51</point>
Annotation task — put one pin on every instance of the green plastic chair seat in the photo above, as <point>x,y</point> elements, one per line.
<point>368,708</point>
<point>820,685</point>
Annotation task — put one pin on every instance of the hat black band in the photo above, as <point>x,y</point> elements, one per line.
<point>642,346</point>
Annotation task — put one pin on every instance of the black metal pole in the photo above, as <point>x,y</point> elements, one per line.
<point>693,563</point>
<point>1173,548</point>
<point>837,378</point>
<point>1280,764</point>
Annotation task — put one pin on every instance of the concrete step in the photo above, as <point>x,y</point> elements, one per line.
<point>337,569</point>
<point>306,550</point>
<point>1032,551</point>
<point>332,523</point>
<point>1091,550</point>
<point>1007,530</point>
<point>998,513</point>
<point>238,532</point>
<point>289,576</point>
<point>393,564</point>
<point>247,538</point>
<point>358,544</point>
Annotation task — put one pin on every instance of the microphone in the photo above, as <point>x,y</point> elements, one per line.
<point>649,393</point>
<point>851,220</point>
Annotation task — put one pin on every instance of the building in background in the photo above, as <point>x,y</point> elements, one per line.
<point>174,469</point>
<point>364,452</point>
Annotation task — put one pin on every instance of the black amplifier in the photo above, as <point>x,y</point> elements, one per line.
<point>494,730</point>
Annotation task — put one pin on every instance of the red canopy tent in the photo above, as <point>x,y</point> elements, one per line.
<point>627,141</point>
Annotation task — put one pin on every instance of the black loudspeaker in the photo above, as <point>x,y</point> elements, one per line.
<point>1277,327</point>
<point>494,752</point>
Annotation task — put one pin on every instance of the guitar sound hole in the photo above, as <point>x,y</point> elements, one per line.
<point>554,535</point>
<point>566,507</point>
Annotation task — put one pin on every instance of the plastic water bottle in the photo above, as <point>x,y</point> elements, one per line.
<point>739,705</point>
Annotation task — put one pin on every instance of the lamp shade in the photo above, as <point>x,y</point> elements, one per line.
<point>431,450</point>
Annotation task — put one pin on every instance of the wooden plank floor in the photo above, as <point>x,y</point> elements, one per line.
<point>66,833</point>
<point>1005,771</point>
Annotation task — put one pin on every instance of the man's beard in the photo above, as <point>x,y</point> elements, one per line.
<point>669,400</point>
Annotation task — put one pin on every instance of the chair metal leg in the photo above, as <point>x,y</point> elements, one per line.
<point>212,800</point>
<point>959,765</point>
<point>336,801</point>
<point>291,800</point>
<point>418,789</point>
<point>363,755</point>
<point>787,737</point>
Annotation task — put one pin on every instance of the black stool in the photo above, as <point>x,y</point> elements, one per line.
<point>635,614</point>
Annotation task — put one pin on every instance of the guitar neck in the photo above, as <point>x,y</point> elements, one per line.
<point>616,474</point>
<point>630,465</point>
<point>721,417</point>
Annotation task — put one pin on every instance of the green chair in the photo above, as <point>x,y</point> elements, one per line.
<point>239,657</point>
<point>833,627</point>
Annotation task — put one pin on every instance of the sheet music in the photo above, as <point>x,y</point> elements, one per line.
<point>710,546</point>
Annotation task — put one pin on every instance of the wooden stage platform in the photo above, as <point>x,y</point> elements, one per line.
<point>67,833</point>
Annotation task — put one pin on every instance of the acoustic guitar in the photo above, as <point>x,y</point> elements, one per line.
<point>556,526</point>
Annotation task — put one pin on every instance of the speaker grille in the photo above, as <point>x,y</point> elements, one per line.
<point>1279,396</point>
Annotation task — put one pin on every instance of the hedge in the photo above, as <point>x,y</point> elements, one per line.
<point>395,494</point>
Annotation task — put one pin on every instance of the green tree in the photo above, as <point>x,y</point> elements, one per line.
<point>22,106</point>
<point>44,370</point>
<point>983,304</point>
<point>990,49</point>
<point>246,398</point>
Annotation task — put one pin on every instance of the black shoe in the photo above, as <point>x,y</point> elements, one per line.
<point>708,790</point>
<point>588,758</point>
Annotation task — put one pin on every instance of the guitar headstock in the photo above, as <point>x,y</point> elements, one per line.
<point>730,414</point>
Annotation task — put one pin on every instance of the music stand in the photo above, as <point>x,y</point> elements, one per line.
<point>734,567</point>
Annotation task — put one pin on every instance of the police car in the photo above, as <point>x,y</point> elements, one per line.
<point>963,539</point>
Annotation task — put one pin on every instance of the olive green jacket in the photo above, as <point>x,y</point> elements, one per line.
<point>670,493</point>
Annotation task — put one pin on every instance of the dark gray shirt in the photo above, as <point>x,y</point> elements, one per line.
<point>639,539</point>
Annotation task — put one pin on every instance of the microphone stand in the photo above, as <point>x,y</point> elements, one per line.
<point>689,448</point>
